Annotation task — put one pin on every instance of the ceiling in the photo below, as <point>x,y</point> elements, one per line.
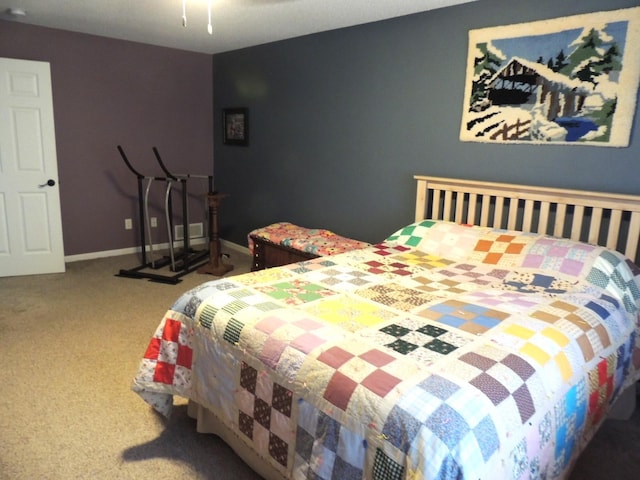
<point>236,23</point>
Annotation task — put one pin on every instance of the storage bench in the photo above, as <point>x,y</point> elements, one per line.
<point>283,243</point>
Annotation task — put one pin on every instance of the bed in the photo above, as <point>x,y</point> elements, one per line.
<point>488,339</point>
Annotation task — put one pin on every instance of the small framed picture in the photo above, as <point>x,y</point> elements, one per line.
<point>235,125</point>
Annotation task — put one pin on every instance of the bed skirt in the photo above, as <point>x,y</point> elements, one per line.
<point>208,422</point>
<point>625,405</point>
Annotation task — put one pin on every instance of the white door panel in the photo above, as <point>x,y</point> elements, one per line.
<point>30,220</point>
<point>4,231</point>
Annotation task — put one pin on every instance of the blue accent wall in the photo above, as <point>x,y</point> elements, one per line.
<point>340,122</point>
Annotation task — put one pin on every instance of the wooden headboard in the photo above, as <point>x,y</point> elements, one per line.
<point>607,219</point>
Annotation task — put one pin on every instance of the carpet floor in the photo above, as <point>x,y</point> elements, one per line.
<point>70,345</point>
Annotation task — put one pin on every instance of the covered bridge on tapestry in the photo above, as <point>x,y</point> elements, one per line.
<point>522,82</point>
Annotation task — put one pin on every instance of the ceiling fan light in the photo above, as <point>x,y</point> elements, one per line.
<point>15,12</point>
<point>184,16</point>
<point>209,27</point>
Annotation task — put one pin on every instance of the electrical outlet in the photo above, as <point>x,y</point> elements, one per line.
<point>154,222</point>
<point>128,224</point>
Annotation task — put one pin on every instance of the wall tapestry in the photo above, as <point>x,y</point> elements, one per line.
<point>570,81</point>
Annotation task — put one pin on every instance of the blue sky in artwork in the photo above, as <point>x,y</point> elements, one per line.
<point>548,46</point>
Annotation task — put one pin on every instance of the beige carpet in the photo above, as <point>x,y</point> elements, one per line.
<point>70,344</point>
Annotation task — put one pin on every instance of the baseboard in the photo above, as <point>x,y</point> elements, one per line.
<point>163,246</point>
<point>234,246</point>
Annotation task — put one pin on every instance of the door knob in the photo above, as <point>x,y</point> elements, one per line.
<point>50,183</point>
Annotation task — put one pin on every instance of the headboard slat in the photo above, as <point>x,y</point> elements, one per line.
<point>421,202</point>
<point>576,224</point>
<point>544,215</point>
<point>484,217</point>
<point>614,229</point>
<point>436,204</point>
<point>595,217</point>
<point>594,227</point>
<point>527,221</point>
<point>471,214</point>
<point>447,205</point>
<point>459,208</point>
<point>558,229</point>
<point>497,219</point>
<point>632,237</point>
<point>512,215</point>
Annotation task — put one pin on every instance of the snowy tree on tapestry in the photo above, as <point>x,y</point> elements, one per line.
<point>570,80</point>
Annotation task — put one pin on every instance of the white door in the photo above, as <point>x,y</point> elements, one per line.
<point>30,220</point>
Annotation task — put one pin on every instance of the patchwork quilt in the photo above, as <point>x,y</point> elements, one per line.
<point>316,241</point>
<point>444,352</point>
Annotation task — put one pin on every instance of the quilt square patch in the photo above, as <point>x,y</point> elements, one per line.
<point>419,340</point>
<point>559,255</point>
<point>396,296</point>
<point>349,313</point>
<point>287,335</point>
<point>351,372</point>
<point>413,234</point>
<point>386,468</point>
<point>475,274</point>
<point>438,284</point>
<point>601,388</point>
<point>584,324</point>
<point>264,414</point>
<point>237,305</point>
<point>388,266</point>
<point>267,275</point>
<point>504,300</point>
<point>442,418</point>
<point>170,350</point>
<point>450,240</point>
<point>545,348</point>
<point>535,282</point>
<point>504,379</point>
<point>191,300</point>
<point>500,249</point>
<point>611,272</point>
<point>422,259</point>
<point>385,249</point>
<point>308,265</point>
<point>342,278</point>
<point>570,416</point>
<point>325,449</point>
<point>469,317</point>
<point>295,292</point>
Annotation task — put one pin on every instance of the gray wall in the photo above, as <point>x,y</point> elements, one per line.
<point>341,120</point>
<point>108,92</point>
